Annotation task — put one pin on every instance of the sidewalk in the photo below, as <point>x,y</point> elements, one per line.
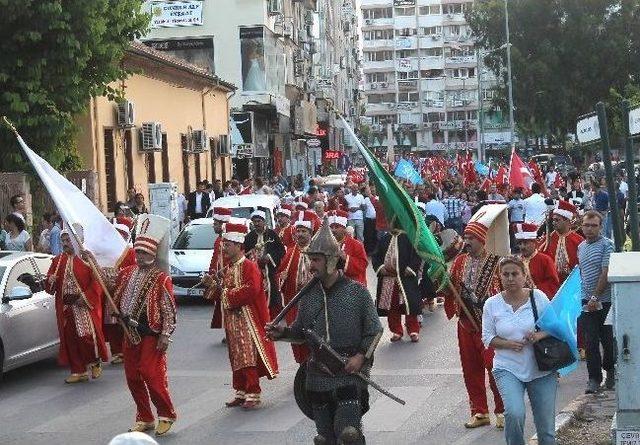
<point>588,416</point>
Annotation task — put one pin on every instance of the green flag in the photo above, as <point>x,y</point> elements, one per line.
<point>402,211</point>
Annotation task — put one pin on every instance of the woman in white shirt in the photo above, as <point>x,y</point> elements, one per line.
<point>508,326</point>
<point>17,238</point>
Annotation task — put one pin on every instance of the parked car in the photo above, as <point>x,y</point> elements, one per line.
<point>190,256</point>
<point>243,205</point>
<point>28,327</point>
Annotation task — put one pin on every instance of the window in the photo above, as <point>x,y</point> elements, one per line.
<point>408,96</point>
<point>456,115</point>
<point>404,53</point>
<point>406,11</point>
<point>433,117</point>
<point>461,52</point>
<point>223,145</point>
<point>196,237</point>
<point>452,30</point>
<point>13,280</point>
<point>472,114</point>
<point>384,119</point>
<point>461,73</point>
<point>377,13</point>
<point>376,77</point>
<point>378,56</point>
<point>437,136</point>
<point>431,30</point>
<point>432,74</point>
<point>405,32</point>
<point>452,8</point>
<point>488,94</point>
<point>433,95</point>
<point>381,98</point>
<point>431,52</point>
<point>430,10</point>
<point>404,75</point>
<point>380,34</point>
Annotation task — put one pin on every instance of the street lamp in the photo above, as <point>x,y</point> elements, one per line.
<point>510,81</point>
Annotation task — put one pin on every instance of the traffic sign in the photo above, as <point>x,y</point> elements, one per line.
<point>313,142</point>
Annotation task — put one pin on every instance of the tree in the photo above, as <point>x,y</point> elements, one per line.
<point>566,56</point>
<point>56,55</point>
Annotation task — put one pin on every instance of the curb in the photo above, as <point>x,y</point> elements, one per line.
<point>566,415</point>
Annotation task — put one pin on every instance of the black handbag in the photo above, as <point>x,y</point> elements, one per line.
<point>551,353</point>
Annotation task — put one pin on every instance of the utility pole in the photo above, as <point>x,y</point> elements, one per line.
<point>480,130</point>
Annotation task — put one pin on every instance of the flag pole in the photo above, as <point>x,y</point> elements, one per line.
<point>92,265</point>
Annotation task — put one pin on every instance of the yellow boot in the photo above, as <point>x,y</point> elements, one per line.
<point>77,378</point>
<point>478,420</point>
<point>163,427</point>
<point>141,427</point>
<point>500,421</point>
<point>96,370</point>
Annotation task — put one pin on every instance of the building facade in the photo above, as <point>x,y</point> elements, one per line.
<point>421,77</point>
<point>173,127</point>
<point>293,62</point>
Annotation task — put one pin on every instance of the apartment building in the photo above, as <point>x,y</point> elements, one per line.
<point>421,76</point>
<point>292,62</point>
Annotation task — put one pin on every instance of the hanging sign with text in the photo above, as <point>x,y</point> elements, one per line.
<point>332,154</point>
<point>588,129</point>
<point>634,122</point>
<point>176,13</point>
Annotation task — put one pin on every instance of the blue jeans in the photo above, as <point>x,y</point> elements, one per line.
<point>358,228</point>
<point>542,394</point>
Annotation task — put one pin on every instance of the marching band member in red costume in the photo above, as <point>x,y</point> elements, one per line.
<point>475,277</point>
<point>284,228</point>
<point>562,244</point>
<point>245,313</point>
<point>540,269</point>
<point>294,273</point>
<point>352,251</point>
<point>221,216</point>
<point>113,332</point>
<point>78,301</point>
<point>144,294</point>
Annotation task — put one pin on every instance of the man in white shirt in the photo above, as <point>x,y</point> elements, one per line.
<point>534,206</point>
<point>551,177</point>
<point>435,207</point>
<point>356,217</point>
<point>370,235</point>
<point>198,202</point>
<point>624,187</point>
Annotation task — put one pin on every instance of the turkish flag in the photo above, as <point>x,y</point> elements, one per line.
<point>355,175</point>
<point>502,177</point>
<point>519,174</point>
<point>559,182</point>
<point>486,184</point>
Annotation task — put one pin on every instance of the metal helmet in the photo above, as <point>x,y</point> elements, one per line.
<point>325,243</point>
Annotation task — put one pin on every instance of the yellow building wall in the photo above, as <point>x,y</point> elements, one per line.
<point>176,107</point>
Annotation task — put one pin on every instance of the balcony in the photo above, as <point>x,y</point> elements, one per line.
<point>382,108</point>
<point>377,23</point>
<point>407,85</point>
<point>453,19</point>
<point>378,44</point>
<point>378,65</point>
<point>377,87</point>
<point>379,3</point>
<point>433,104</point>
<point>409,118</point>
<point>402,42</point>
<point>460,61</point>
<point>431,63</point>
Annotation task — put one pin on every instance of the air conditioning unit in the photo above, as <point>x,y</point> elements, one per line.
<point>449,16</point>
<point>368,21</point>
<point>151,136</point>
<point>126,115</point>
<point>287,29</point>
<point>374,86</point>
<point>384,85</point>
<point>200,141</point>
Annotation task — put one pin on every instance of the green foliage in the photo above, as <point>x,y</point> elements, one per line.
<point>566,56</point>
<point>56,54</point>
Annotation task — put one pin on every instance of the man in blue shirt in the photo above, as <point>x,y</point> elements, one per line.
<point>54,236</point>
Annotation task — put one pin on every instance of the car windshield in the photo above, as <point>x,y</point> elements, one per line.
<point>197,237</point>
<point>245,212</point>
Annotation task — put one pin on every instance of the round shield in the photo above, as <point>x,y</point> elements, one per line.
<point>300,391</point>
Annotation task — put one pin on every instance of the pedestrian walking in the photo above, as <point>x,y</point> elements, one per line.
<point>508,326</point>
<point>355,219</point>
<point>17,238</point>
<point>593,257</point>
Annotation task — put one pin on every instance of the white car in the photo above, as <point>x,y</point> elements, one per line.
<point>243,205</point>
<point>190,256</point>
<point>28,326</point>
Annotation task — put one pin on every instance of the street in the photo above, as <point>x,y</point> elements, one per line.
<point>38,408</point>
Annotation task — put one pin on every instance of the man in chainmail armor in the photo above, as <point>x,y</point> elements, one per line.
<point>340,311</point>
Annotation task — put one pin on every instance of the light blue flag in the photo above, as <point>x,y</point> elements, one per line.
<point>482,169</point>
<point>560,318</point>
<point>405,170</point>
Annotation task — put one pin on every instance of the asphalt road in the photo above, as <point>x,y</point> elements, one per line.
<point>36,407</point>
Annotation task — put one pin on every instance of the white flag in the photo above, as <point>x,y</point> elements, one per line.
<point>100,237</point>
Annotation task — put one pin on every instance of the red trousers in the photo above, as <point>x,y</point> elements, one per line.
<point>246,382</point>
<point>81,351</point>
<point>114,334</point>
<point>394,316</point>
<point>476,362</point>
<point>146,370</point>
